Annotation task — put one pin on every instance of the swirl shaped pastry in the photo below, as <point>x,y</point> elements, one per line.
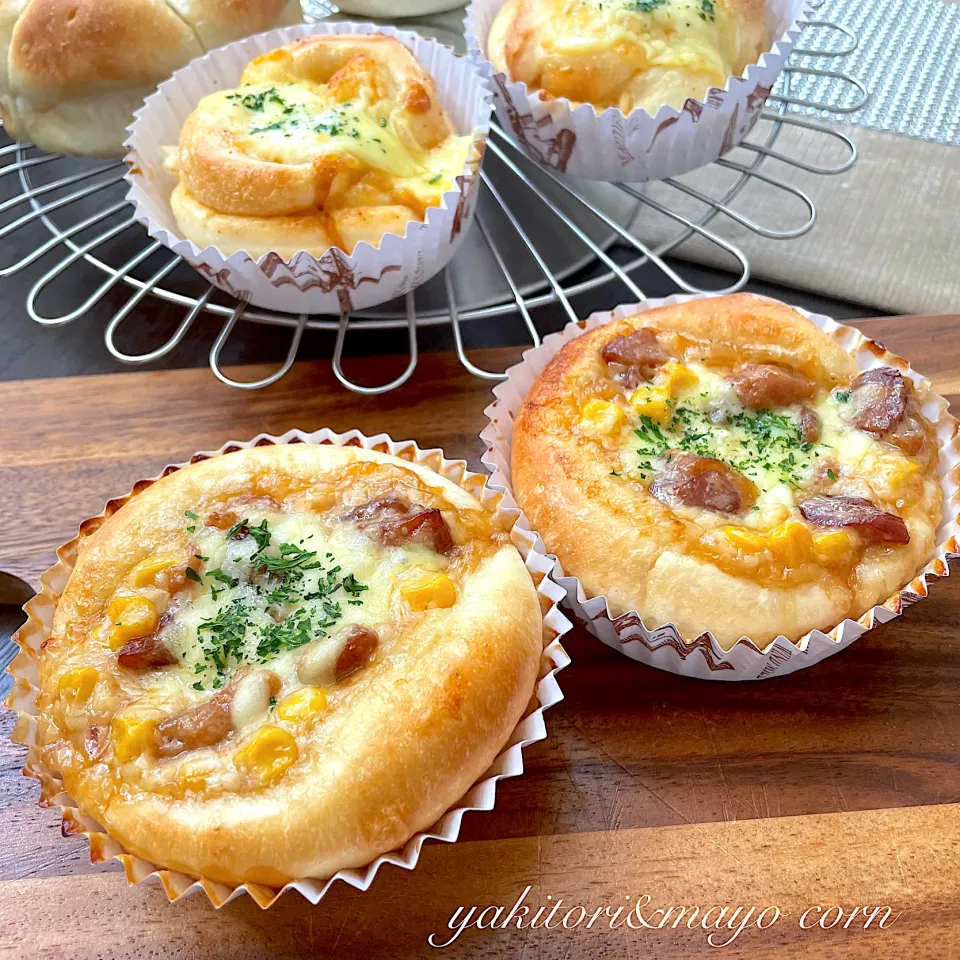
<point>629,54</point>
<point>726,466</point>
<point>74,71</point>
<point>327,141</point>
<point>286,660</point>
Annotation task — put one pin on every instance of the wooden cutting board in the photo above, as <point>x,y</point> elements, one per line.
<point>818,796</point>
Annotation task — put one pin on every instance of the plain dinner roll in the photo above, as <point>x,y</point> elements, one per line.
<point>74,71</point>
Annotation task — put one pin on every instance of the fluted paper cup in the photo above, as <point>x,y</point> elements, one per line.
<point>609,145</point>
<point>660,645</point>
<point>335,281</point>
<point>482,796</point>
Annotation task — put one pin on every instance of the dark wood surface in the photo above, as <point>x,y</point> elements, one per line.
<point>839,785</point>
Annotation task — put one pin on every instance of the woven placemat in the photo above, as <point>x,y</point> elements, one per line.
<point>885,234</point>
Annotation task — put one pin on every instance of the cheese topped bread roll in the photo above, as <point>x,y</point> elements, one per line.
<point>630,54</point>
<point>327,141</point>
<point>724,465</point>
<point>286,660</point>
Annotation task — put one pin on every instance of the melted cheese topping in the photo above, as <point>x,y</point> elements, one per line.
<point>694,408</point>
<point>261,618</point>
<point>662,33</point>
<point>627,53</point>
<point>300,122</point>
<point>309,593</point>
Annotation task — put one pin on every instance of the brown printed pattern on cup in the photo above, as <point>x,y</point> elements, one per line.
<point>730,135</point>
<point>221,279</point>
<point>467,184</point>
<point>756,100</point>
<point>331,272</point>
<point>740,125</point>
<point>693,108</point>
<point>629,628</point>
<point>776,658</point>
<point>551,151</point>
<point>622,130</point>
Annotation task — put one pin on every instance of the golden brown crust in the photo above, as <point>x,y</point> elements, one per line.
<point>286,235</point>
<point>386,163</point>
<point>644,555</point>
<point>75,70</point>
<point>624,56</point>
<point>400,741</point>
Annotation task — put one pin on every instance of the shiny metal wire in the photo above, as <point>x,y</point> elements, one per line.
<point>83,241</point>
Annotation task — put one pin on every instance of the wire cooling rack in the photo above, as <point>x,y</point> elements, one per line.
<point>539,238</point>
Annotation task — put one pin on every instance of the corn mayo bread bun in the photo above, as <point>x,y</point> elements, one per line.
<point>725,466</point>
<point>286,660</point>
<point>629,54</point>
<point>72,72</point>
<point>327,141</point>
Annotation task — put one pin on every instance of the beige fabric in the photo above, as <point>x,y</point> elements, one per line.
<point>885,234</point>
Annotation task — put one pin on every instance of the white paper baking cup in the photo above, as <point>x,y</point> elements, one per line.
<point>335,281</point>
<point>482,796</point>
<point>638,146</point>
<point>660,645</point>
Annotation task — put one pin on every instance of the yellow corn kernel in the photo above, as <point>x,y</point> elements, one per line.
<point>302,704</point>
<point>132,734</point>
<point>267,754</point>
<point>433,591</point>
<point>675,377</point>
<point>188,783</point>
<point>792,543</point>
<point>651,402</point>
<point>902,473</point>
<point>833,547</point>
<point>601,416</point>
<point>144,574</point>
<point>745,540</point>
<point>132,617</point>
<point>77,685</point>
<point>430,593</point>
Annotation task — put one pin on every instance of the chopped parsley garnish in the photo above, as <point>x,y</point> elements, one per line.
<point>707,11</point>
<point>294,631</point>
<point>222,638</point>
<point>260,534</point>
<point>330,121</point>
<point>842,396</point>
<point>276,125</point>
<point>291,557</point>
<point>435,178</point>
<point>190,515</point>
<point>192,574</point>
<point>218,574</point>
<point>383,121</point>
<point>276,572</point>
<point>353,586</point>
<point>831,475</point>
<point>241,528</point>
<point>750,442</point>
<point>257,101</point>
